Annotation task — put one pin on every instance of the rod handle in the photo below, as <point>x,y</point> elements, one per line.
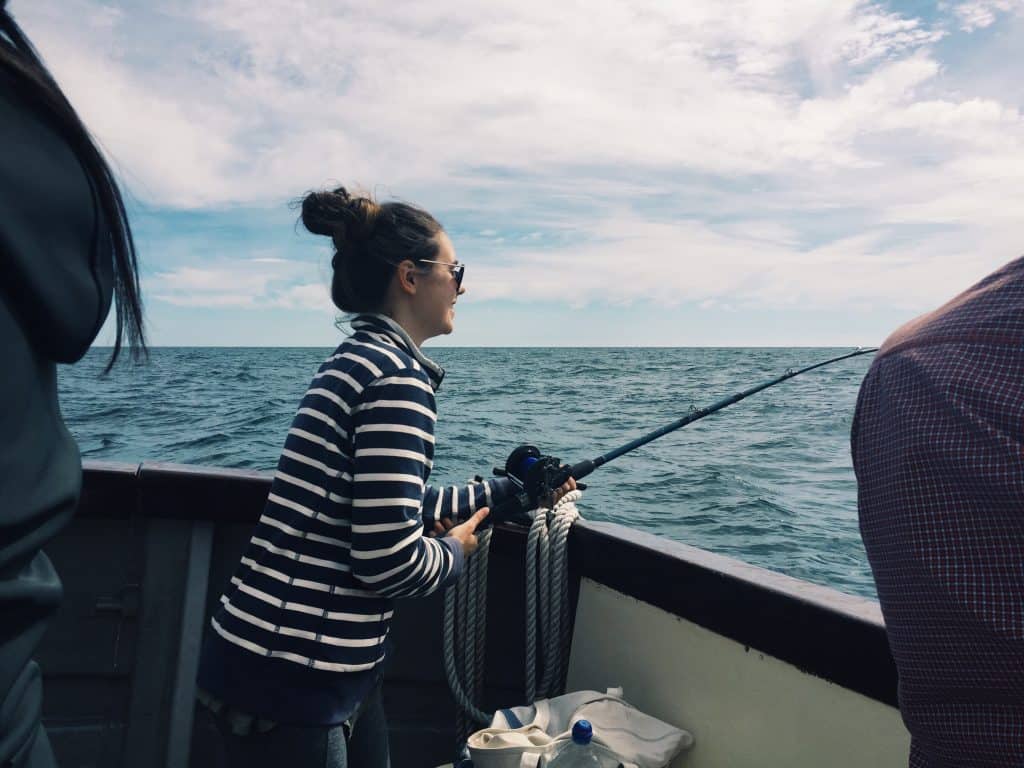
<point>584,468</point>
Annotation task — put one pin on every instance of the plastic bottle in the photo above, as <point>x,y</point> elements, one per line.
<point>578,753</point>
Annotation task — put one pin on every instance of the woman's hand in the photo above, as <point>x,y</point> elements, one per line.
<point>465,533</point>
<point>568,485</point>
<point>441,527</point>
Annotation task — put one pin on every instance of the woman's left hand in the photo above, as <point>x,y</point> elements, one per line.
<point>568,485</point>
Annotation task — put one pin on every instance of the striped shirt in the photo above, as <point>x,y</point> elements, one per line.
<point>938,447</point>
<point>342,533</point>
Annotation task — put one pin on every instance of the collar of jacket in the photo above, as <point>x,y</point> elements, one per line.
<point>377,323</point>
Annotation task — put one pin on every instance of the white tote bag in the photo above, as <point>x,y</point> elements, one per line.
<point>623,735</point>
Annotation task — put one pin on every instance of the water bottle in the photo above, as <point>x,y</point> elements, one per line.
<point>578,753</point>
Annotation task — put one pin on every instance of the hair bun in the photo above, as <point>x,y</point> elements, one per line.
<point>340,216</point>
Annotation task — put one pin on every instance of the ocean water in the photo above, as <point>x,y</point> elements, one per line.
<point>768,480</point>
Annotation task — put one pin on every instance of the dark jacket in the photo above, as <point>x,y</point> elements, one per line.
<point>55,292</point>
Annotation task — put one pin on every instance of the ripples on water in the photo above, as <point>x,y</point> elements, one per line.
<point>768,480</point>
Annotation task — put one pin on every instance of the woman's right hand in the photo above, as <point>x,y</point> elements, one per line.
<point>465,532</point>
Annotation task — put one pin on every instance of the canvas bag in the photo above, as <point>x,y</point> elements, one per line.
<point>523,737</point>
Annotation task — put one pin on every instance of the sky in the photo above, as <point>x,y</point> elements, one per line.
<point>637,173</point>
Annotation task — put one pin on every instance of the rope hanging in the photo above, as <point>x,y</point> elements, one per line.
<point>465,615</point>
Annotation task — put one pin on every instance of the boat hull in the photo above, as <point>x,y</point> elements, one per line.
<point>763,669</point>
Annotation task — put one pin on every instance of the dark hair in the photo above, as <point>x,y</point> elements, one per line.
<point>31,79</point>
<point>370,240</point>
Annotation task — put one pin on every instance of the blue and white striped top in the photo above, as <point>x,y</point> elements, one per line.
<point>342,533</point>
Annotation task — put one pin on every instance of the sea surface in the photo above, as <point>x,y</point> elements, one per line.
<point>768,480</point>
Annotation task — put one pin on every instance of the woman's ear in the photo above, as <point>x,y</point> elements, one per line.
<point>406,273</point>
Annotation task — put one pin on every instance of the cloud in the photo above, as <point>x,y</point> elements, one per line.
<point>979,14</point>
<point>240,284</point>
<point>312,296</point>
<point>207,299</point>
<point>270,95</point>
<point>673,263</point>
<point>193,279</point>
<point>813,151</point>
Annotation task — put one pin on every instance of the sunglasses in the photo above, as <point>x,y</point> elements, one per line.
<point>458,269</point>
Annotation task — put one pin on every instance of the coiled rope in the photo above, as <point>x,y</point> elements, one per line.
<point>465,615</point>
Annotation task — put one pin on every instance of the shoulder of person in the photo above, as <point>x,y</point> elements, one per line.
<point>382,360</point>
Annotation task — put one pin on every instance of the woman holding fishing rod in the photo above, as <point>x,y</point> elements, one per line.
<point>291,669</point>
<point>65,251</point>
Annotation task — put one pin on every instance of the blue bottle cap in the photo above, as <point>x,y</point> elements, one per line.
<point>582,731</point>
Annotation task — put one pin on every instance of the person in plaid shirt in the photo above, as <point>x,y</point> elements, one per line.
<point>938,449</point>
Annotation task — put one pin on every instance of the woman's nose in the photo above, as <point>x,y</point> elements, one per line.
<point>462,290</point>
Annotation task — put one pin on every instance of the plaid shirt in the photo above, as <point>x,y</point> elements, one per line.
<point>938,448</point>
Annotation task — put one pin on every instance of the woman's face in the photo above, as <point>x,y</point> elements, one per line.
<point>439,291</point>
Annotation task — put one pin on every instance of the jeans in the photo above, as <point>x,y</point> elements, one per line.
<point>361,742</point>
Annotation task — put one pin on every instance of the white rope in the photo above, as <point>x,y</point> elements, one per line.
<point>553,620</point>
<point>565,515</point>
<point>465,614</point>
<point>464,655</point>
<point>538,532</point>
<point>480,587</point>
<point>465,652</point>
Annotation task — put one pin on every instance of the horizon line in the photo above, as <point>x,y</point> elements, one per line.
<point>507,346</point>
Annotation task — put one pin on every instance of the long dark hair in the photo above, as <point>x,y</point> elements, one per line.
<point>33,81</point>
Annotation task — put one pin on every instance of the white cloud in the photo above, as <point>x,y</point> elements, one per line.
<point>672,263</point>
<point>311,296</point>
<point>245,284</point>
<point>724,148</point>
<point>978,14</point>
<point>272,94</point>
<point>207,299</point>
<point>194,279</point>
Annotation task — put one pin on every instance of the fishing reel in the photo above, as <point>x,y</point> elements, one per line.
<point>536,477</point>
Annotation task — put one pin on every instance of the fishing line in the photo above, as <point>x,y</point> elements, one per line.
<point>537,475</point>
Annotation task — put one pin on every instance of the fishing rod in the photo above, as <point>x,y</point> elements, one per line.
<point>536,475</point>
